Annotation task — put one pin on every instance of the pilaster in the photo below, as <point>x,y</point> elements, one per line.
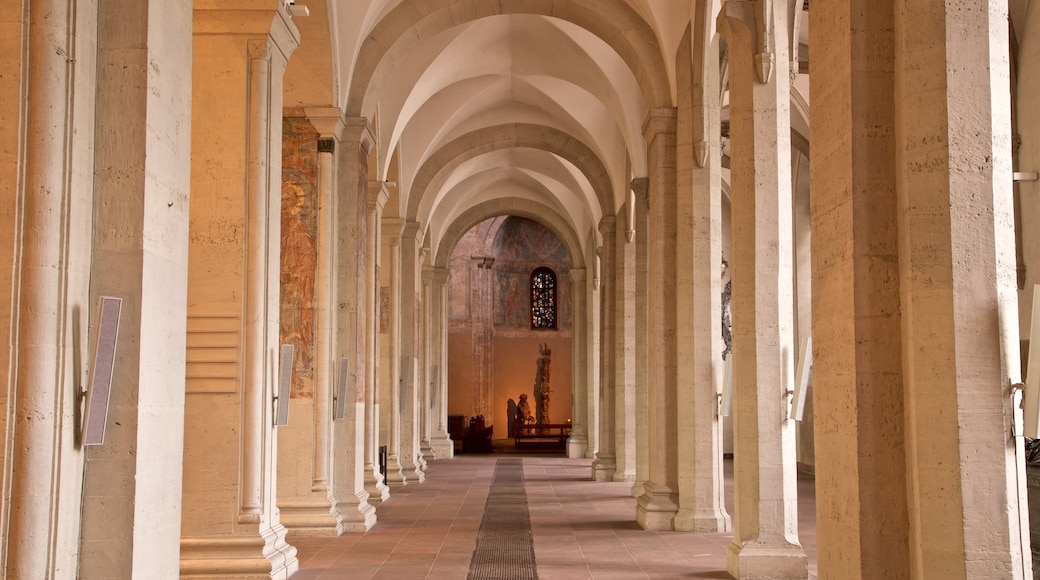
<point>410,453</point>
<point>233,297</point>
<point>605,464</point>
<point>390,353</point>
<point>375,483</point>
<point>440,440</point>
<point>641,200</point>
<point>350,320</point>
<point>699,295</point>
<point>657,506</point>
<point>765,539</point>
<point>625,345</point>
<point>578,443</point>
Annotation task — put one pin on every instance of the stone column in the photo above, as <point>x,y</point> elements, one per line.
<point>440,440</point>
<point>698,292</point>
<point>425,365</point>
<point>46,189</point>
<point>625,349</point>
<point>374,479</point>
<point>306,497</point>
<point>605,464</point>
<point>233,298</point>
<point>656,508</point>
<point>765,539</point>
<point>411,248</point>
<point>390,352</point>
<point>642,203</point>
<point>857,375</point>
<point>957,290</point>
<point>482,309</point>
<point>141,182</point>
<point>351,227</point>
<point>578,443</point>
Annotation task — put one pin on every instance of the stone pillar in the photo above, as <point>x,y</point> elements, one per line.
<point>425,365</point>
<point>482,296</point>
<point>642,416</point>
<point>390,352</point>
<point>411,249</point>
<point>605,464</point>
<point>765,539</point>
<point>351,227</point>
<point>699,294</point>
<point>374,479</point>
<point>592,346</point>
<point>957,290</point>
<point>141,183</point>
<point>306,497</point>
<point>440,440</point>
<point>46,186</point>
<point>863,528</point>
<point>578,443</point>
<point>230,525</point>
<point>656,508</point>
<point>625,350</point>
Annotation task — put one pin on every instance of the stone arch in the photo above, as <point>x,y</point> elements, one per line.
<point>613,21</point>
<point>508,136</point>
<point>525,208</point>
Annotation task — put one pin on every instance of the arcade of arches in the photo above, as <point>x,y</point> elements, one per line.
<point>373,182</point>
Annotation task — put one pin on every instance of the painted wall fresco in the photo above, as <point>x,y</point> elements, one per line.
<point>521,246</point>
<point>299,222</point>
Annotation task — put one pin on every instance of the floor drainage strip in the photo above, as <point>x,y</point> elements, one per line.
<point>505,548</point>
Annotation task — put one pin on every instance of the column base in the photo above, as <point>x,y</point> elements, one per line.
<point>308,517</point>
<point>425,452</point>
<point>415,469</point>
<point>259,556</point>
<point>638,488</point>
<point>577,446</point>
<point>395,472</point>
<point>443,446</point>
<point>622,477</point>
<point>779,561</point>
<point>377,490</point>
<point>703,521</point>
<point>656,508</point>
<point>356,513</point>
<point>603,468</point>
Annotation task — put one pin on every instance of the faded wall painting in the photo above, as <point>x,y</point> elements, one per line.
<point>299,256</point>
<point>521,246</point>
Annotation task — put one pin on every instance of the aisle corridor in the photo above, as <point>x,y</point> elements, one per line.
<point>581,529</point>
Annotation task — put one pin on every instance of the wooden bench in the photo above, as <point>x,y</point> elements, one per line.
<point>557,433</point>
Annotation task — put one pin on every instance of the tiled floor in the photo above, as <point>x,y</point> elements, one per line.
<point>581,529</point>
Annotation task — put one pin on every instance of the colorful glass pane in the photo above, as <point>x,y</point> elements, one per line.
<point>543,298</point>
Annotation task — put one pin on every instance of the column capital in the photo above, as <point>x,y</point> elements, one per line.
<point>392,228</point>
<point>328,121</point>
<point>659,120</point>
<point>440,275</point>
<point>413,231</point>
<point>359,130</point>
<point>275,24</point>
<point>641,187</point>
<point>576,274</point>
<point>607,225</point>
<point>378,195</point>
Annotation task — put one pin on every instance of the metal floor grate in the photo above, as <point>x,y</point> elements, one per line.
<point>505,549</point>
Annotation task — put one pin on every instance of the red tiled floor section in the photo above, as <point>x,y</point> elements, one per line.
<point>581,529</point>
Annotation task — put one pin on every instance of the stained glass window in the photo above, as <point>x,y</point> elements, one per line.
<point>543,298</point>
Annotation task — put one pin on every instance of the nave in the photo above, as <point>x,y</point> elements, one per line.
<point>581,529</point>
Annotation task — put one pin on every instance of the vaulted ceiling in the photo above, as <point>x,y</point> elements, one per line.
<point>501,103</point>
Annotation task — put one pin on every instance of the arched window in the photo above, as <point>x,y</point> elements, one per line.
<point>543,299</point>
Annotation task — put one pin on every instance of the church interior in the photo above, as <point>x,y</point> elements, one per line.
<point>275,262</point>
